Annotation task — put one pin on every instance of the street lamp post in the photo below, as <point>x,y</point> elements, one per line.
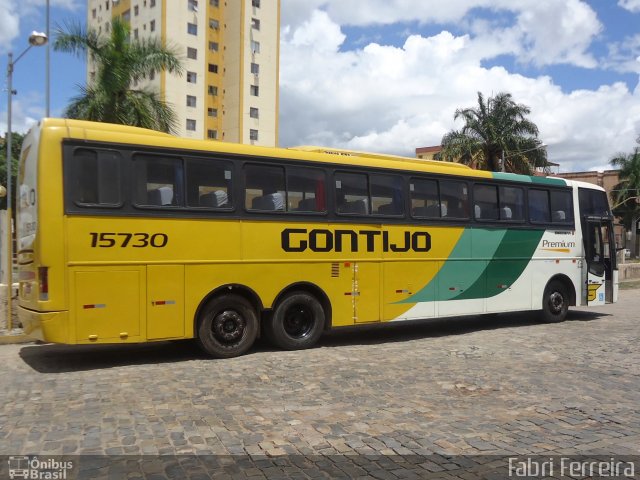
<point>36,39</point>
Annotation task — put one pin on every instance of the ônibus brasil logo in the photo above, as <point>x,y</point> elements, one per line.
<point>37,469</point>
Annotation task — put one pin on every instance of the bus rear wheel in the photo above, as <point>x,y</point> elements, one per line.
<point>297,322</point>
<point>227,327</point>
<point>555,302</point>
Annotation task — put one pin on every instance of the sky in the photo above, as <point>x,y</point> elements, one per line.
<point>387,75</point>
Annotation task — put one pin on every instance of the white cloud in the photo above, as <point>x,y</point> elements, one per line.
<point>631,5</point>
<point>394,99</point>
<point>624,56</point>
<point>12,10</point>
<point>25,113</point>
<point>543,32</point>
<point>9,22</point>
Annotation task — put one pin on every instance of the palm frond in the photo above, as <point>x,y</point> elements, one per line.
<point>120,63</point>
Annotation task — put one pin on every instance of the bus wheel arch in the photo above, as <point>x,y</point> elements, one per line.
<point>227,321</point>
<point>300,315</point>
<point>559,294</point>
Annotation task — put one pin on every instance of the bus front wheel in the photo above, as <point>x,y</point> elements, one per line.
<point>555,302</point>
<point>297,322</point>
<point>228,326</point>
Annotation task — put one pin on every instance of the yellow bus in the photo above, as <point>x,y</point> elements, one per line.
<point>128,235</point>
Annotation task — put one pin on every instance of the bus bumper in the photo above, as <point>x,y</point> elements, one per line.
<point>45,326</point>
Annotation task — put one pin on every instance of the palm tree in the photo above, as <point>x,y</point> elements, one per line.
<point>120,63</point>
<point>626,194</point>
<point>496,129</point>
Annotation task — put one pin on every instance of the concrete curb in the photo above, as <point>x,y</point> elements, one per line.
<point>14,338</point>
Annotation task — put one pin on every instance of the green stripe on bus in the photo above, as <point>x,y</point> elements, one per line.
<point>459,268</point>
<point>530,179</point>
<point>511,258</point>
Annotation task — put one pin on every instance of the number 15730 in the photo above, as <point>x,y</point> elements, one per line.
<point>123,240</point>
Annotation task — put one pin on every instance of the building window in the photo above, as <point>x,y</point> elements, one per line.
<point>192,29</point>
<point>152,3</point>
<point>253,112</point>
<point>255,46</point>
<point>106,4</point>
<point>191,101</point>
<point>213,90</point>
<point>212,134</point>
<point>255,68</point>
<point>136,10</point>
<point>135,34</point>
<point>212,112</point>
<point>255,24</point>
<point>254,90</point>
<point>255,3</point>
<point>152,26</point>
<point>253,134</point>
<point>214,3</point>
<point>192,77</point>
<point>152,75</point>
<point>192,53</point>
<point>93,13</point>
<point>193,5</point>
<point>213,46</point>
<point>191,124</point>
<point>213,68</point>
<point>213,23</point>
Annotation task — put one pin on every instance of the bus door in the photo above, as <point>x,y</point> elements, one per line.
<point>365,292</point>
<point>600,261</point>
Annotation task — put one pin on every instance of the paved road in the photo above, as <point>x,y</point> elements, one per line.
<point>503,385</point>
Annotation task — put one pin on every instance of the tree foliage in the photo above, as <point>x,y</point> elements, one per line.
<point>493,128</point>
<point>16,146</point>
<point>120,63</point>
<point>626,194</point>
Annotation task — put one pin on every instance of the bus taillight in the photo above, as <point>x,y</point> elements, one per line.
<point>43,275</point>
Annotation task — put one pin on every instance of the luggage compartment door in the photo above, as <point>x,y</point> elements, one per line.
<point>165,301</point>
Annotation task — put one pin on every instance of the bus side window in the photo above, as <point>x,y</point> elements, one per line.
<point>264,188</point>
<point>159,180</point>
<point>424,199</point>
<point>352,193</point>
<point>561,207</point>
<point>485,198</point>
<point>96,178</point>
<point>209,183</point>
<point>511,204</point>
<point>306,190</point>
<point>386,195</point>
<point>454,196</point>
<point>539,210</point>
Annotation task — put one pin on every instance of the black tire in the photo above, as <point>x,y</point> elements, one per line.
<point>227,326</point>
<point>297,322</point>
<point>555,302</point>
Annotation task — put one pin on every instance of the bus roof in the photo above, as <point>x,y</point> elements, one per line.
<point>355,153</point>
<point>112,133</point>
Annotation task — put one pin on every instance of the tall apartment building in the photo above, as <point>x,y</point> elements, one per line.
<point>230,50</point>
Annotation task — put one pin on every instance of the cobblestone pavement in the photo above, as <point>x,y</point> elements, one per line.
<point>503,385</point>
